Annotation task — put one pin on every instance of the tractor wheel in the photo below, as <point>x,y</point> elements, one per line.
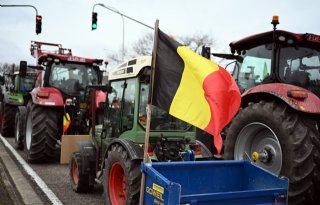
<point>80,181</point>
<point>42,132</point>
<point>122,176</point>
<point>206,141</point>
<point>7,119</point>
<point>20,128</point>
<point>280,140</point>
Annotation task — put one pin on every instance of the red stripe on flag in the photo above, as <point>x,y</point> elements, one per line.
<point>223,96</point>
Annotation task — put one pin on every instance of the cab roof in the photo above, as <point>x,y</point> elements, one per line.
<point>130,68</point>
<point>267,37</point>
<point>68,58</point>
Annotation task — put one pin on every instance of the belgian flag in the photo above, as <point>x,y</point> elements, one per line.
<point>193,88</point>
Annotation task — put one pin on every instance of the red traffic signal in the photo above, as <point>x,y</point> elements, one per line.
<point>94,21</point>
<point>38,24</point>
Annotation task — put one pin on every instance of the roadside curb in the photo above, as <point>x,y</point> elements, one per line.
<point>21,183</point>
<point>8,192</point>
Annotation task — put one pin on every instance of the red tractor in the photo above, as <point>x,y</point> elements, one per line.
<point>60,100</point>
<point>277,127</point>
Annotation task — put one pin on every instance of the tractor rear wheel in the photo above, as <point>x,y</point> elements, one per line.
<point>20,128</point>
<point>7,119</point>
<point>280,140</point>
<point>206,141</point>
<point>42,132</point>
<point>80,181</point>
<point>122,176</point>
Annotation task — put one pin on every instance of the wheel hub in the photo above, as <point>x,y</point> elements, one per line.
<point>29,131</point>
<point>17,130</point>
<point>262,143</point>
<point>264,156</point>
<point>117,185</point>
<point>75,172</point>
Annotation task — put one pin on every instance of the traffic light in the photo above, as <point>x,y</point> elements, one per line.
<point>38,24</point>
<point>94,20</point>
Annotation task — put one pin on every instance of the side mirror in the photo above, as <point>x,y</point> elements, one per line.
<point>23,68</point>
<point>206,52</point>
<point>1,80</point>
<point>109,88</point>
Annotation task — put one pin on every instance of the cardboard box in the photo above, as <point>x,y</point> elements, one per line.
<point>69,145</point>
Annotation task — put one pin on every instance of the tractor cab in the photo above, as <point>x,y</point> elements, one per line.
<point>278,57</point>
<point>71,75</point>
<point>25,83</point>
<point>71,78</point>
<point>126,113</point>
<point>18,84</point>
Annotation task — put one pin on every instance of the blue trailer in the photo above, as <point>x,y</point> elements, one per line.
<point>211,182</point>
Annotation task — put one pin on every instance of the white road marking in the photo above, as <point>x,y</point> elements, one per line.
<point>42,185</point>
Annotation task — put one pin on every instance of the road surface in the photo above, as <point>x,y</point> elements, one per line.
<point>56,177</point>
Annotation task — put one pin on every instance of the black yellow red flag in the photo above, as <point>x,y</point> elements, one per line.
<point>193,88</point>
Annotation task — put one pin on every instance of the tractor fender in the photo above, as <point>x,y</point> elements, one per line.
<point>47,96</point>
<point>88,156</point>
<point>100,97</point>
<point>134,150</point>
<point>279,91</point>
<point>13,98</point>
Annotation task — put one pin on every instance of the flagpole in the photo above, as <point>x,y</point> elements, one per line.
<point>146,139</point>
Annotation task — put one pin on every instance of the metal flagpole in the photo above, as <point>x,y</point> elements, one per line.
<point>146,140</point>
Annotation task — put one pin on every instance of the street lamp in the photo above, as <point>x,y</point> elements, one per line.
<point>122,16</point>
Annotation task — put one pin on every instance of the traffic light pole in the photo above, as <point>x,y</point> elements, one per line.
<point>122,16</point>
<point>118,12</point>
<point>38,18</point>
<point>21,6</point>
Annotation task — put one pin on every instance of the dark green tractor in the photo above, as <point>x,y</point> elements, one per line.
<point>15,88</point>
<point>115,151</point>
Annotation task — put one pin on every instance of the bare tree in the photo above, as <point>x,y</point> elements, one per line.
<point>144,45</point>
<point>7,68</point>
<point>119,56</point>
<point>196,41</point>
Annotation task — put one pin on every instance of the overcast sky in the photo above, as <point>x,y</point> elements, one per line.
<point>69,22</point>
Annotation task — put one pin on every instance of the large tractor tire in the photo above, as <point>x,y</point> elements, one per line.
<point>280,140</point>
<point>42,132</point>
<point>122,176</point>
<point>19,131</point>
<point>8,112</point>
<point>80,179</point>
<point>206,142</point>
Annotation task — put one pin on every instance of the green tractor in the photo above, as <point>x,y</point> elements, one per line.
<point>115,151</point>
<point>15,88</point>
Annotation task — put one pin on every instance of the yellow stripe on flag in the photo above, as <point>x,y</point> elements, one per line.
<point>189,102</point>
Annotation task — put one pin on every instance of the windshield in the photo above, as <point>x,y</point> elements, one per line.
<point>27,83</point>
<point>160,119</point>
<point>72,78</point>
<point>255,68</point>
<point>300,66</point>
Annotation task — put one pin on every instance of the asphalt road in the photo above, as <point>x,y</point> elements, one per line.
<point>57,178</point>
